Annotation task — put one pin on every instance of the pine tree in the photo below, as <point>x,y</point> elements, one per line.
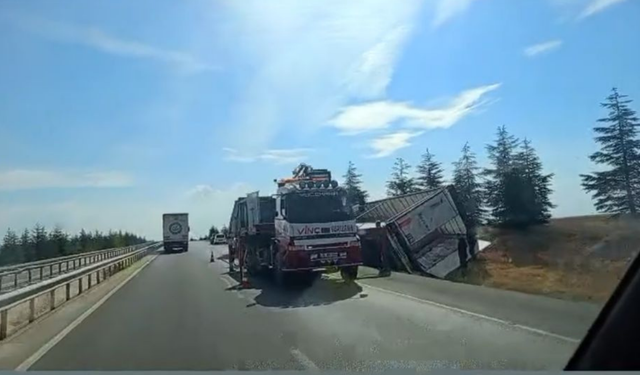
<point>468,188</point>
<point>26,246</point>
<point>40,242</point>
<point>429,172</point>
<point>10,252</point>
<point>353,185</point>
<point>84,239</point>
<point>59,241</point>
<point>617,189</point>
<point>536,188</point>
<point>400,182</point>
<point>502,180</point>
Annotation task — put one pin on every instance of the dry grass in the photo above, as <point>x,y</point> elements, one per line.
<point>575,258</point>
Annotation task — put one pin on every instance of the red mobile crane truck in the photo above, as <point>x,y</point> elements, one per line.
<point>306,228</point>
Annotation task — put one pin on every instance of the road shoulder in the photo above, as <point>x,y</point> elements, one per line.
<point>21,346</point>
<point>559,317</point>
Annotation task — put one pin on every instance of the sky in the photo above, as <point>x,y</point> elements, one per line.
<point>114,112</point>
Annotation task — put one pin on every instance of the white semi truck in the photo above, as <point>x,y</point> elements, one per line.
<point>175,232</point>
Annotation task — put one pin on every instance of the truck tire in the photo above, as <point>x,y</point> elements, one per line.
<point>349,274</point>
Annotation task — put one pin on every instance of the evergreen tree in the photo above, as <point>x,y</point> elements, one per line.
<point>468,188</point>
<point>59,242</point>
<point>10,253</point>
<point>502,180</point>
<point>26,247</point>
<point>536,188</point>
<point>353,185</point>
<point>400,182</point>
<point>84,238</point>
<point>617,189</point>
<point>40,242</point>
<point>429,172</point>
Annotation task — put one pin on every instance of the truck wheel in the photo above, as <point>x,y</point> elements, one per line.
<point>349,273</point>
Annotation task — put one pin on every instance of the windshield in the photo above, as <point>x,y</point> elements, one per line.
<point>346,185</point>
<point>317,206</point>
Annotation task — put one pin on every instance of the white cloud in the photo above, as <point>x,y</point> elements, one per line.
<point>372,73</point>
<point>365,117</point>
<point>447,9</point>
<point>277,156</point>
<point>597,6</point>
<point>541,48</point>
<point>20,179</point>
<point>308,58</point>
<point>100,40</point>
<point>387,144</point>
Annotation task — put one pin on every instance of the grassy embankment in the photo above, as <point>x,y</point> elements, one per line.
<point>580,258</point>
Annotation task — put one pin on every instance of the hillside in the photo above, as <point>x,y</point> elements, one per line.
<point>574,258</point>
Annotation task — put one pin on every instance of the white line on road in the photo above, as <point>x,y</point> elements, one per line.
<point>304,360</point>
<point>24,366</point>
<point>481,316</point>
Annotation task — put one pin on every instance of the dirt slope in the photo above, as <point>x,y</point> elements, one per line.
<point>575,258</point>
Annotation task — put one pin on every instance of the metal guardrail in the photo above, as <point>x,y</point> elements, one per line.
<point>14,277</point>
<point>99,272</point>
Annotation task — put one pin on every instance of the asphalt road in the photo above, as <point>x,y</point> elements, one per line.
<point>183,313</point>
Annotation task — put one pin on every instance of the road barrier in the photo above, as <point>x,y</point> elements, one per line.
<point>19,275</point>
<point>82,279</point>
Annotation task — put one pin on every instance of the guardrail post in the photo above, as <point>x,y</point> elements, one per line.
<point>51,270</point>
<point>29,270</point>
<point>32,310</point>
<point>80,285</point>
<point>89,281</point>
<point>15,280</point>
<point>97,277</point>
<point>52,299</point>
<point>67,290</point>
<point>42,273</point>
<point>4,323</point>
<point>1,282</point>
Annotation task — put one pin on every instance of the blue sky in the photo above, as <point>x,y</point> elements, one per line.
<point>115,112</point>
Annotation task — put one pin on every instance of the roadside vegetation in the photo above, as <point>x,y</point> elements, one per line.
<point>39,244</point>
<point>508,202</point>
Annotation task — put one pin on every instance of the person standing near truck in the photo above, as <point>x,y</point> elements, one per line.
<point>462,252</point>
<point>382,242</point>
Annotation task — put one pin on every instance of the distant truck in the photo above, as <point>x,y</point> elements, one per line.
<point>175,232</point>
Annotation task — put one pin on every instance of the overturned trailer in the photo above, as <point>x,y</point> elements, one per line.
<point>417,232</point>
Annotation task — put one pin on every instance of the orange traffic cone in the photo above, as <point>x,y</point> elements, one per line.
<point>213,258</point>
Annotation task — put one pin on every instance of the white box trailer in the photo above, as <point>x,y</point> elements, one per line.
<point>175,232</point>
<point>422,229</point>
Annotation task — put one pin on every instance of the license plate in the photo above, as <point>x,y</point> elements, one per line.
<point>332,256</point>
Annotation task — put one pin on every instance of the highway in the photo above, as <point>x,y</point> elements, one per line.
<point>184,313</point>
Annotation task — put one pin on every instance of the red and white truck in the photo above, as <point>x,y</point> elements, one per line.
<point>306,228</point>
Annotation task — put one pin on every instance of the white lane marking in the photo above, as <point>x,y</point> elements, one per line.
<point>481,316</point>
<point>24,366</point>
<point>304,360</point>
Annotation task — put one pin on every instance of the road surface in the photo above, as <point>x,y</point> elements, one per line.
<point>183,313</point>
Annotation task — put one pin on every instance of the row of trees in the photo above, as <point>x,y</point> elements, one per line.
<point>514,190</point>
<point>38,243</point>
